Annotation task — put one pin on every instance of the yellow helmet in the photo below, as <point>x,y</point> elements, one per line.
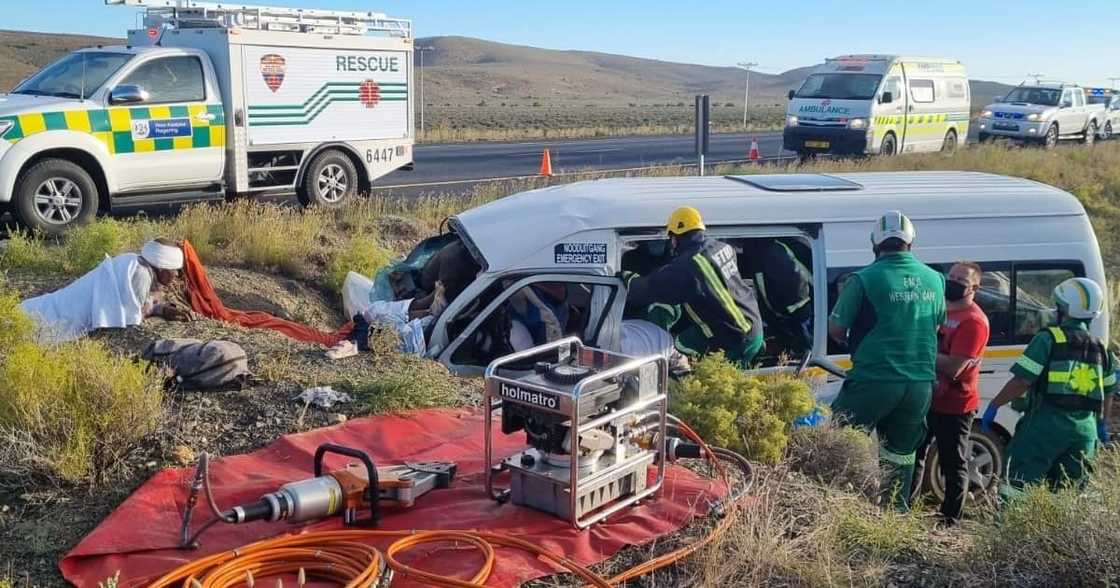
<point>684,220</point>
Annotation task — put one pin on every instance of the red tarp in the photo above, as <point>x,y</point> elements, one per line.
<point>204,300</point>
<point>139,538</point>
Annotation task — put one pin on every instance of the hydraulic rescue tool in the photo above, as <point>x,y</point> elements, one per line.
<point>588,415</point>
<point>349,491</point>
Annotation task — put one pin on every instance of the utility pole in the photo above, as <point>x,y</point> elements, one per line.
<point>422,50</point>
<point>747,88</point>
<point>1037,77</point>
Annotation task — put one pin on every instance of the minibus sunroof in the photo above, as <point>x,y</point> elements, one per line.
<point>797,182</point>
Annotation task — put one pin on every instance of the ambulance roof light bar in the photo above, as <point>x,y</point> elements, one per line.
<point>183,14</point>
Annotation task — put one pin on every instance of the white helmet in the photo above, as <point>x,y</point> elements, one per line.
<point>1079,298</point>
<point>893,224</point>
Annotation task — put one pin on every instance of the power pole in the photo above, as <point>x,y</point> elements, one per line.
<point>422,50</point>
<point>1037,77</point>
<point>746,89</point>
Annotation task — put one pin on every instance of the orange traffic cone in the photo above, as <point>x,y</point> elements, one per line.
<point>546,164</point>
<point>753,155</point>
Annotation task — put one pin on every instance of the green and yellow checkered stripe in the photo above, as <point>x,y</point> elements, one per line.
<point>113,126</point>
<point>921,119</point>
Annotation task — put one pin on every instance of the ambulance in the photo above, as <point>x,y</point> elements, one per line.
<point>879,104</point>
<point>210,101</point>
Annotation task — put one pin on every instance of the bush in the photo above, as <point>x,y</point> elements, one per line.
<point>841,457</point>
<point>1065,538</point>
<point>25,251</point>
<point>747,413</point>
<point>73,411</point>
<point>15,326</point>
<point>86,246</point>
<point>864,531</point>
<point>363,255</point>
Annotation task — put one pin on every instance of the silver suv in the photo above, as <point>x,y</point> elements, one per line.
<point>1044,113</point>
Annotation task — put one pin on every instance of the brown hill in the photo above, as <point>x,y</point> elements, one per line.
<point>461,71</point>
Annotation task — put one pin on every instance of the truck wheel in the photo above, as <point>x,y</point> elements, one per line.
<point>985,465</point>
<point>1050,139</point>
<point>984,138</point>
<point>889,146</point>
<point>331,180</point>
<point>1090,133</point>
<point>55,195</point>
<point>949,145</point>
<point>1106,134</point>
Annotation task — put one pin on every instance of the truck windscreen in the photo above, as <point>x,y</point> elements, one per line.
<point>77,75</point>
<point>1041,96</point>
<point>840,86</point>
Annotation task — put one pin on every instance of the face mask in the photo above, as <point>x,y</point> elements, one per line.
<point>954,291</point>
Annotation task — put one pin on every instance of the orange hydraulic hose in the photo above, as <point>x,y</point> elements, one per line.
<point>341,556</point>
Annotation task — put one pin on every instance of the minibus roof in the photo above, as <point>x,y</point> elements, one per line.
<point>508,230</point>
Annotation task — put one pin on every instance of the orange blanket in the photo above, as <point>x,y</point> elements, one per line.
<point>205,301</point>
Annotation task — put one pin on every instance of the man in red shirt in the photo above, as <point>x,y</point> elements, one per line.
<point>956,398</point>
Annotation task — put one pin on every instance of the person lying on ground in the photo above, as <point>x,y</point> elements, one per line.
<point>120,292</point>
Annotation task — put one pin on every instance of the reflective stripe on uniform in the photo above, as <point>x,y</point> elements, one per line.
<point>1058,334</point>
<point>189,126</point>
<point>1030,365</point>
<point>704,328</point>
<point>901,459</point>
<point>721,292</point>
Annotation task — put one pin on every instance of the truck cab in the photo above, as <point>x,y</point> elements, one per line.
<point>1109,101</point>
<point>208,102</point>
<point>1043,113</point>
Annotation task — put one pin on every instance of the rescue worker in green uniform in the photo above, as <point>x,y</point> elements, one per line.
<point>699,295</point>
<point>1066,373</point>
<point>888,315</point>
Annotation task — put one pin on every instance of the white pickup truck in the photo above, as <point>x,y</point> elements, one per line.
<point>1110,100</point>
<point>210,101</point>
<point>1042,113</point>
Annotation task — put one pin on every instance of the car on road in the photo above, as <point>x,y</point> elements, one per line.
<point>1043,113</point>
<point>568,243</point>
<point>1110,100</point>
<point>210,101</point>
<point>879,104</point>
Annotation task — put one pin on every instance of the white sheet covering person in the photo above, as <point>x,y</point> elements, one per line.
<point>115,294</point>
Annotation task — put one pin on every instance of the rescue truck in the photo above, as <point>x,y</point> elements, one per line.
<point>879,104</point>
<point>210,101</point>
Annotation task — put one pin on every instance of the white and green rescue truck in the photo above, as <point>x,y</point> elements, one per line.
<point>210,101</point>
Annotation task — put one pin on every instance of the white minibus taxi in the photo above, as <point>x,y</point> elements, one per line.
<point>572,240</point>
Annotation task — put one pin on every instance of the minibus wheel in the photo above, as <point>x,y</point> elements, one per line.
<point>889,146</point>
<point>985,465</point>
<point>949,145</point>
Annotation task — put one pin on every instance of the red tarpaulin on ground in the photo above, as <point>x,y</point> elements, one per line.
<point>204,300</point>
<point>139,538</point>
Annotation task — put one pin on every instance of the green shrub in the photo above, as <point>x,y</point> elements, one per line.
<point>25,251</point>
<point>363,255</point>
<point>15,326</point>
<point>78,409</point>
<point>747,413</point>
<point>423,385</point>
<point>86,246</point>
<point>862,530</point>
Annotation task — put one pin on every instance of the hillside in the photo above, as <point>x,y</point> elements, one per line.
<point>461,71</point>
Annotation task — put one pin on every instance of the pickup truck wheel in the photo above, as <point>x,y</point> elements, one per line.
<point>949,144</point>
<point>1106,133</point>
<point>1050,139</point>
<point>889,146</point>
<point>1090,133</point>
<point>331,180</point>
<point>55,195</point>
<point>984,138</point>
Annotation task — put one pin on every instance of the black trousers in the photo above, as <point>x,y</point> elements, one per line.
<point>953,448</point>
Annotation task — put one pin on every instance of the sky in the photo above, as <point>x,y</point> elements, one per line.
<point>998,40</point>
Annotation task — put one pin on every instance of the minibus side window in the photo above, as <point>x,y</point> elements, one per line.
<point>921,90</point>
<point>1034,310</point>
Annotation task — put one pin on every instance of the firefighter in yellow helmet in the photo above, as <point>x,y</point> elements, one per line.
<point>699,295</point>
<point>1066,373</point>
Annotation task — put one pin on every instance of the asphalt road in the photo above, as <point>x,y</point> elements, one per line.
<point>437,165</point>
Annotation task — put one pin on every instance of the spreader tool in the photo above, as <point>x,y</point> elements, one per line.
<point>351,491</point>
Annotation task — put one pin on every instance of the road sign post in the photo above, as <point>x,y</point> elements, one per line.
<point>703,128</point>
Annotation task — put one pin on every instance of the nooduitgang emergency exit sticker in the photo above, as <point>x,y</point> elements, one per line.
<point>581,253</point>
